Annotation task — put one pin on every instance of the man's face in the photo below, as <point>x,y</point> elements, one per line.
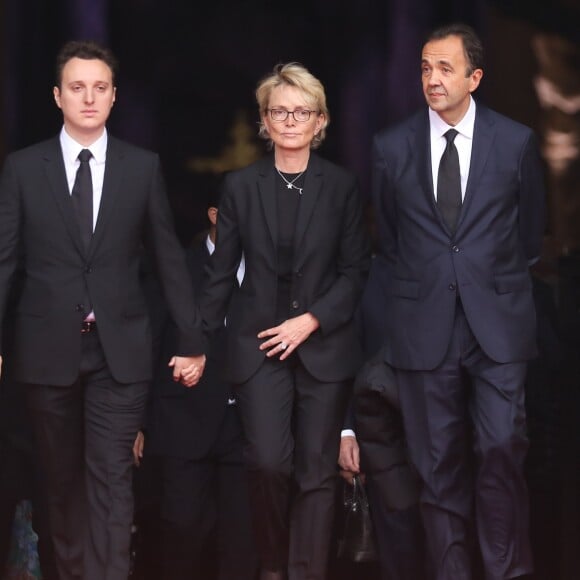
<point>446,82</point>
<point>85,96</point>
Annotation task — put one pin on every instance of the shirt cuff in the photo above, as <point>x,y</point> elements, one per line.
<point>347,433</point>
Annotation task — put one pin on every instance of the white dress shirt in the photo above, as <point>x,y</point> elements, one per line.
<point>70,152</point>
<point>463,143</point>
<point>241,268</point>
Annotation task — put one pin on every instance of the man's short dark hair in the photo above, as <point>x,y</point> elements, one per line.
<point>472,45</point>
<point>87,50</point>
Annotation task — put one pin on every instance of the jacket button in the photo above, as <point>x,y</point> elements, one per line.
<point>451,287</point>
<point>295,304</point>
<point>88,270</point>
<point>455,249</point>
<point>79,307</point>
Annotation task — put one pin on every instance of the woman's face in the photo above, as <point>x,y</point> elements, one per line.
<point>290,133</point>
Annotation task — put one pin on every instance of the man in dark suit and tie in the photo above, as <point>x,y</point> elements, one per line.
<point>459,199</point>
<point>80,209</point>
<point>198,434</point>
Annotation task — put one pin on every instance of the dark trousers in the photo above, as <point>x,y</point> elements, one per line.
<point>203,495</point>
<point>292,425</point>
<point>85,433</point>
<point>465,426</point>
<point>400,538</point>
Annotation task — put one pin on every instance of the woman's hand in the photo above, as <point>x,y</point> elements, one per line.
<point>285,338</point>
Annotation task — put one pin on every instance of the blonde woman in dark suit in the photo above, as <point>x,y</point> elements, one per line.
<point>292,345</point>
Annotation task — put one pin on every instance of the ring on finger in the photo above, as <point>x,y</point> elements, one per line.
<point>283,346</point>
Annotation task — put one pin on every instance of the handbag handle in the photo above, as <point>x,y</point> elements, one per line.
<point>359,493</point>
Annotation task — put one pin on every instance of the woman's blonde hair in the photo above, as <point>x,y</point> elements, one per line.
<point>293,74</point>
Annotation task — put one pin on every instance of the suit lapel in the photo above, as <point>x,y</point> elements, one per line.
<point>267,189</point>
<point>482,141</point>
<point>420,144</point>
<point>110,193</point>
<point>312,186</point>
<point>56,177</point>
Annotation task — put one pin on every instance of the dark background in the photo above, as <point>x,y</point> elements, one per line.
<point>186,90</point>
<point>188,71</point>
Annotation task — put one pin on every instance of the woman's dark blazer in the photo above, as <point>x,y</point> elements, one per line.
<point>331,261</point>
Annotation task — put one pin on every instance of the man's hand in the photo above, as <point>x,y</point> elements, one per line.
<point>138,448</point>
<point>187,369</point>
<point>348,457</point>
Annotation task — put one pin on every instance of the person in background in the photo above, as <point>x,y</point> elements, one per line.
<point>373,445</point>
<point>459,197</point>
<point>79,208</point>
<point>292,345</point>
<point>198,436</point>
<point>22,489</point>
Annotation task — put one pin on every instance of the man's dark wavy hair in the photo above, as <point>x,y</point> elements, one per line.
<point>87,50</point>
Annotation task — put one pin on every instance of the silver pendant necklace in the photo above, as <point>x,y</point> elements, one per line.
<point>290,184</point>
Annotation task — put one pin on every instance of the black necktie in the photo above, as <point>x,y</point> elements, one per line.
<point>82,197</point>
<point>449,183</point>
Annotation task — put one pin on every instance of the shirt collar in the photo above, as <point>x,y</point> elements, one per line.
<point>71,148</point>
<point>465,127</point>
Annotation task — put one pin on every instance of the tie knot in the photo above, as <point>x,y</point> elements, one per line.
<point>85,155</point>
<point>450,135</point>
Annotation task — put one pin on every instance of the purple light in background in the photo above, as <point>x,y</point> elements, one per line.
<point>88,19</point>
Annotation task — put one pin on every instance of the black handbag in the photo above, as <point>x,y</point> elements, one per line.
<point>357,542</point>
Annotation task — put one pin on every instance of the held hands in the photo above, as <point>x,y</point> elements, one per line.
<point>187,369</point>
<point>285,338</point>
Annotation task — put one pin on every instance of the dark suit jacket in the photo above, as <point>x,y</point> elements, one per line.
<point>331,261</point>
<point>36,215</point>
<point>500,229</point>
<point>185,422</point>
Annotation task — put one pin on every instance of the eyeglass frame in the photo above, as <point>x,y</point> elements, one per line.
<point>288,113</point>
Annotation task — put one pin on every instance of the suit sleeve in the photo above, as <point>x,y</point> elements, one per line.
<point>170,262</point>
<point>223,263</point>
<point>532,200</point>
<point>9,234</point>
<point>383,202</point>
<point>337,306</point>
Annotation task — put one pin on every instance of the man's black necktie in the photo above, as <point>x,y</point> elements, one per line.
<point>449,183</point>
<point>82,197</point>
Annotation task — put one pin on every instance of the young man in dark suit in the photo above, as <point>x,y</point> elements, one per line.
<point>197,434</point>
<point>82,206</point>
<point>459,198</point>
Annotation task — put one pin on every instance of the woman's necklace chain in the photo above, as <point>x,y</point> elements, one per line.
<point>290,184</point>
